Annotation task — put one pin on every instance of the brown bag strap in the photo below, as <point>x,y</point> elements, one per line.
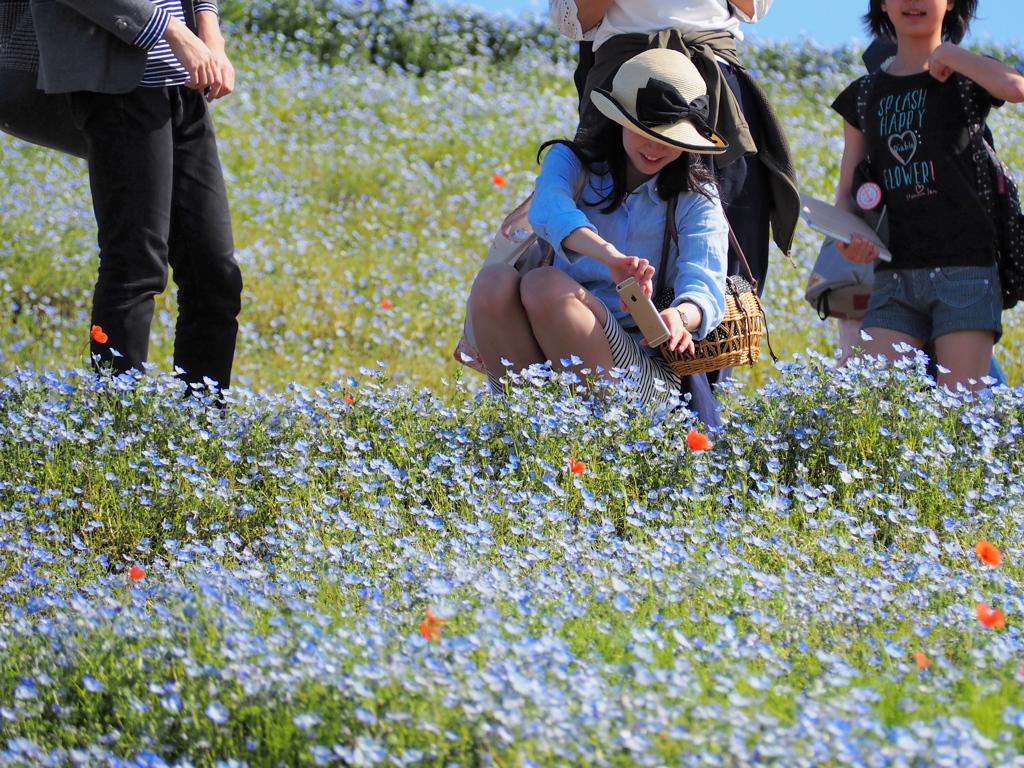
<point>739,252</point>
<point>672,236</point>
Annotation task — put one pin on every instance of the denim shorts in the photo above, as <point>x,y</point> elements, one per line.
<point>928,303</point>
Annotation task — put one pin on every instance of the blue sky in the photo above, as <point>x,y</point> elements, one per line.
<point>829,22</point>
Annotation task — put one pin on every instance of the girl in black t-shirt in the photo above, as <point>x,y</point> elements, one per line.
<point>942,284</point>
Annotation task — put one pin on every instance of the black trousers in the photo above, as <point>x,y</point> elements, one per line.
<point>159,198</point>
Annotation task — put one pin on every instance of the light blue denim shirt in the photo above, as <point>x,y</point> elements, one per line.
<point>636,228</point>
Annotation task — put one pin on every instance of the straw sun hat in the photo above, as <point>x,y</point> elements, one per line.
<point>661,95</point>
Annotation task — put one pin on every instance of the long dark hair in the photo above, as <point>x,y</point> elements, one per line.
<point>601,151</point>
<point>954,25</point>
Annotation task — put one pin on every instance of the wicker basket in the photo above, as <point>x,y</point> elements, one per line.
<point>736,341</point>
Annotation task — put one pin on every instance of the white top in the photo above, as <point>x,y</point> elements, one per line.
<point>651,16</point>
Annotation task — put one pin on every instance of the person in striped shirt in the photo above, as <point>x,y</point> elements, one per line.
<point>138,75</point>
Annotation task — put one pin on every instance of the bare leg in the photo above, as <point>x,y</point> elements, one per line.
<point>567,320</point>
<point>967,355</point>
<point>500,324</point>
<point>883,340</point>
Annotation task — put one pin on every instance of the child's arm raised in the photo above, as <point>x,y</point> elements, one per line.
<point>747,6</point>
<point>855,150</point>
<point>590,12</point>
<point>1001,81</point>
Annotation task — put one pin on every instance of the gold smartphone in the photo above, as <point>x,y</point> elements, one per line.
<point>650,323</point>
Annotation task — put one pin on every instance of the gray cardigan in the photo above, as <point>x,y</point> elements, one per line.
<point>86,45</point>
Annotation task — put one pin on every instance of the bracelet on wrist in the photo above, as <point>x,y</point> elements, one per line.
<point>684,317</point>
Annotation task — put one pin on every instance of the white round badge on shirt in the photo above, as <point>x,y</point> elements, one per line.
<point>869,196</point>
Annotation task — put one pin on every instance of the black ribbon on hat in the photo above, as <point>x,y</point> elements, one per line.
<point>659,103</point>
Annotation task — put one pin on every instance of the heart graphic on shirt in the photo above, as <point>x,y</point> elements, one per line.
<point>903,146</point>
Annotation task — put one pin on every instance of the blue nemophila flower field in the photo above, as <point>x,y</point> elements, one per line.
<point>362,574</point>
<point>363,559</point>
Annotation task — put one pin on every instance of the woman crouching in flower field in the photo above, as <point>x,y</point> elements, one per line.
<point>635,171</point>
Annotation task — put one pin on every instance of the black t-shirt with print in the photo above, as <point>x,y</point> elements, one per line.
<point>911,124</point>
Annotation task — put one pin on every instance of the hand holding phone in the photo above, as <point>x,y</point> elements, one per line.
<point>624,267</point>
<point>650,323</point>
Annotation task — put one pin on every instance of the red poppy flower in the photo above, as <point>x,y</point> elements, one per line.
<point>136,572</point>
<point>98,335</point>
<point>992,618</point>
<point>989,554</point>
<point>922,660</point>
<point>697,441</point>
<point>577,466</point>
<point>430,627</point>
<point>386,304</point>
<point>498,179</point>
<point>430,631</point>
